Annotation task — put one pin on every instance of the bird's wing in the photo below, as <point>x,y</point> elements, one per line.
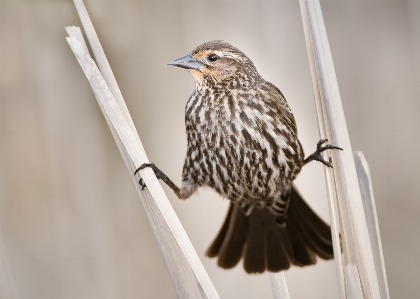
<point>277,100</point>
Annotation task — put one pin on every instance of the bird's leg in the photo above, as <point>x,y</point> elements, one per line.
<point>317,154</point>
<point>160,175</point>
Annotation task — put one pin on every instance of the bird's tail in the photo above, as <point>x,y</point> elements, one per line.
<point>265,245</point>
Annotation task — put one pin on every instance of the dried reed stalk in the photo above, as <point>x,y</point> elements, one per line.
<point>278,285</point>
<point>369,205</point>
<point>346,206</point>
<point>188,275</point>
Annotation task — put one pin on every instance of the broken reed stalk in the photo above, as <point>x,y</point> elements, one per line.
<point>188,275</point>
<point>346,206</point>
<point>369,205</point>
<point>157,220</point>
<point>160,213</point>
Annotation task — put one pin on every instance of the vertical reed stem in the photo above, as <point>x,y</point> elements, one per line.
<point>332,124</point>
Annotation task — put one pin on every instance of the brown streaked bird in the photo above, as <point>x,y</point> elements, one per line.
<point>242,142</point>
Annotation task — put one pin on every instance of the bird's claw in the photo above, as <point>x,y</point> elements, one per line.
<point>142,184</point>
<point>319,149</point>
<point>143,166</point>
<point>318,157</point>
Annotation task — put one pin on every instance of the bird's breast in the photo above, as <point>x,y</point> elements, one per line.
<point>239,144</point>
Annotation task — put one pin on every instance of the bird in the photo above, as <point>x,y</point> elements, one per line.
<point>243,143</point>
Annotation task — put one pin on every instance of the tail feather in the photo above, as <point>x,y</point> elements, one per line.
<point>302,255</point>
<point>314,235</point>
<point>278,248</point>
<point>254,258</point>
<point>230,241</point>
<point>311,219</point>
<point>265,245</point>
<point>313,229</point>
<point>214,248</point>
<point>321,249</point>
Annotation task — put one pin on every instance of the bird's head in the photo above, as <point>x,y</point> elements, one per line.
<point>218,62</point>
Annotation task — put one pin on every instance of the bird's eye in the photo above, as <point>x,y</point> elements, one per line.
<point>213,57</point>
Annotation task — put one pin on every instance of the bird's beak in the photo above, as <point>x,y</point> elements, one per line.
<point>186,62</point>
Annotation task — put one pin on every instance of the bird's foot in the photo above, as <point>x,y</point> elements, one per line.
<point>143,166</point>
<point>156,170</point>
<point>159,175</point>
<point>317,155</point>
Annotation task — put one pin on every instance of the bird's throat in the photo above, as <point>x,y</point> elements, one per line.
<point>198,77</point>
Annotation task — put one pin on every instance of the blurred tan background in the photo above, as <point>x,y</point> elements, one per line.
<point>71,225</point>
